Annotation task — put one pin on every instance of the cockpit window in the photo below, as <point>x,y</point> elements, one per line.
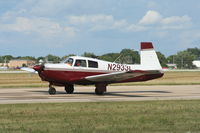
<point>69,61</point>
<point>81,63</point>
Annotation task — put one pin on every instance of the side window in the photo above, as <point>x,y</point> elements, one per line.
<point>81,63</point>
<point>92,64</point>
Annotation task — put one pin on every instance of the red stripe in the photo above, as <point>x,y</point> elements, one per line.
<point>62,77</point>
<point>146,45</point>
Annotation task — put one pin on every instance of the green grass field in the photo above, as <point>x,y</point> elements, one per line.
<point>177,116</point>
<point>173,78</point>
<point>10,80</point>
<point>110,117</point>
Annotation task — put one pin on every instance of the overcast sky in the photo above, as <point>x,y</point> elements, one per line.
<point>61,27</point>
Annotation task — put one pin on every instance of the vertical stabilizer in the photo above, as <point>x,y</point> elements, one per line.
<point>148,57</point>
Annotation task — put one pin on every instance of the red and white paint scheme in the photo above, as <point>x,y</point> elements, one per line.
<point>88,71</point>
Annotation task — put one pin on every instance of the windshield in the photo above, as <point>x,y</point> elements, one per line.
<point>69,61</point>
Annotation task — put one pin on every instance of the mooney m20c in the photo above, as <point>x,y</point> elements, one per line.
<point>88,71</point>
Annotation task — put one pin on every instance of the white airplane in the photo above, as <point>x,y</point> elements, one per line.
<point>88,71</point>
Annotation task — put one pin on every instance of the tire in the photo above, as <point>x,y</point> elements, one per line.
<point>99,91</point>
<point>69,89</point>
<point>52,91</point>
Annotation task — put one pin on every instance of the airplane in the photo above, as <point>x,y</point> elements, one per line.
<point>90,71</point>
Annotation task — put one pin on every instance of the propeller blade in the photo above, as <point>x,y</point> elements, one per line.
<point>28,70</point>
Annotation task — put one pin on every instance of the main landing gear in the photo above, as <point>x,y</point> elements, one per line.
<point>69,89</point>
<point>100,89</point>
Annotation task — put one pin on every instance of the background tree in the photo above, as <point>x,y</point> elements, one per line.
<point>129,56</point>
<point>1,59</point>
<point>162,59</point>
<point>109,57</point>
<point>195,52</point>
<point>28,58</point>
<point>183,59</point>
<point>52,58</point>
<point>6,58</point>
<point>66,56</point>
<point>91,55</point>
<point>171,59</point>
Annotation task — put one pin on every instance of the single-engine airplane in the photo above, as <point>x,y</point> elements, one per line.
<point>88,71</point>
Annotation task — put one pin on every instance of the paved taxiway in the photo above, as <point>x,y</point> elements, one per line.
<point>86,94</point>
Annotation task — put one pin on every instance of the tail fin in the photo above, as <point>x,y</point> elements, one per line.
<point>148,57</point>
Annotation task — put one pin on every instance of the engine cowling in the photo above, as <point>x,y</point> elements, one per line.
<point>38,68</point>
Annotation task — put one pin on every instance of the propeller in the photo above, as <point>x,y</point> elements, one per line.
<point>31,70</point>
<point>36,68</point>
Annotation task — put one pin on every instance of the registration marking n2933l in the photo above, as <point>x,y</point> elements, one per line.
<point>119,67</point>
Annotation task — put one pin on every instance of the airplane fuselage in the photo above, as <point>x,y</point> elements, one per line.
<point>63,73</point>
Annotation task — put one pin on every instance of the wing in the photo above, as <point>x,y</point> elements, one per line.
<point>119,76</point>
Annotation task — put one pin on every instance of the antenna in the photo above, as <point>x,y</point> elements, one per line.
<point>46,59</point>
<point>117,57</point>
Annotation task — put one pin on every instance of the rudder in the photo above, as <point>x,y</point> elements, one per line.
<point>148,57</point>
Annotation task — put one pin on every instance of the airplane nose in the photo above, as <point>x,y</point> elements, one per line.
<point>37,67</point>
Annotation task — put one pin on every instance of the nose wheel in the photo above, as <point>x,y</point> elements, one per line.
<point>52,90</point>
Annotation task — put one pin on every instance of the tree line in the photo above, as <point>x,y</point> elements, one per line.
<point>183,59</point>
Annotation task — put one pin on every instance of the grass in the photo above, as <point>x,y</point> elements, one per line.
<point>100,117</point>
<point>172,78</point>
<point>14,80</point>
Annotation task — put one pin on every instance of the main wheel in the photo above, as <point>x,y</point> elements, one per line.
<point>99,91</point>
<point>69,89</point>
<point>100,88</point>
<point>52,91</point>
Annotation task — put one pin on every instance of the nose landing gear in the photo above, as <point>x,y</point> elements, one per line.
<point>52,90</point>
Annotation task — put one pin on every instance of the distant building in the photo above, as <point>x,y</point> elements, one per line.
<point>172,66</point>
<point>20,63</point>
<point>196,63</point>
<point>3,64</point>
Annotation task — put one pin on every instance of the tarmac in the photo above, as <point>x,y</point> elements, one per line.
<point>86,94</point>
